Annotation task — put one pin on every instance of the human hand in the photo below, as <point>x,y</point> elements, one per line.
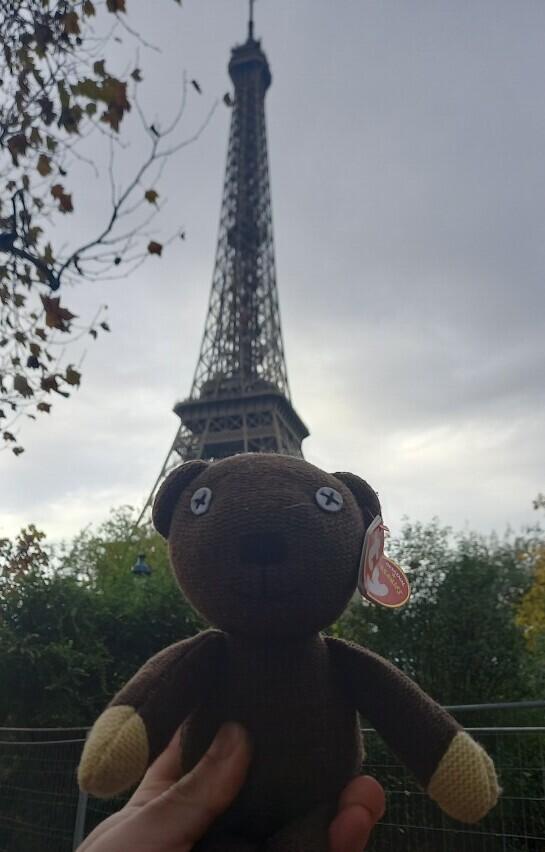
<point>169,814</point>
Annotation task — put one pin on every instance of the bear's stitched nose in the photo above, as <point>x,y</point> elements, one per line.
<point>262,548</point>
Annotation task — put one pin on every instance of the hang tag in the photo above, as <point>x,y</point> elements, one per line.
<point>380,579</point>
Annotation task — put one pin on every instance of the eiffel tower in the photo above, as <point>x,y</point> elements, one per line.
<point>240,399</point>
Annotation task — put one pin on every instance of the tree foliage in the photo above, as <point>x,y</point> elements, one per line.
<point>57,93</point>
<point>457,637</point>
<point>19,556</point>
<point>530,614</point>
<point>76,625</point>
<point>531,609</point>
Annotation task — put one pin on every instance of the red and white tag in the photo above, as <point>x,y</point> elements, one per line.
<point>380,579</point>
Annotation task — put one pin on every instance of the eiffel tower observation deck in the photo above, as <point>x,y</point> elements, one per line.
<point>240,399</point>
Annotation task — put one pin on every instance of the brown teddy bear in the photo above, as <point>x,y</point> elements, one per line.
<point>267,549</point>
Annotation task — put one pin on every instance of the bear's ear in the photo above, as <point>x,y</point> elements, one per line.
<point>366,497</point>
<point>170,490</point>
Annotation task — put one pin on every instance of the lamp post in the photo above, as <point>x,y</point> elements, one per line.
<point>141,567</point>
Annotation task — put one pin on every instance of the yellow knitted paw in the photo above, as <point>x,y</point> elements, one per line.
<point>464,784</point>
<point>116,753</point>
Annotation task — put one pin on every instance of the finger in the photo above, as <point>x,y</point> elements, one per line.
<point>183,813</point>
<point>365,791</point>
<point>351,829</point>
<point>360,807</point>
<point>162,773</point>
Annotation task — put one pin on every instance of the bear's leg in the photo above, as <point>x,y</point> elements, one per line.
<point>308,833</point>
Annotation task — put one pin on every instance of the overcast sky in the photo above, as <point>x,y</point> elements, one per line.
<point>407,160</point>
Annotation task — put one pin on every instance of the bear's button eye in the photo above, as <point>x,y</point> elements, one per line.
<point>329,500</point>
<point>201,501</point>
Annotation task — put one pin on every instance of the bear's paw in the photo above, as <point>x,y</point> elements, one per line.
<point>464,785</point>
<point>116,753</point>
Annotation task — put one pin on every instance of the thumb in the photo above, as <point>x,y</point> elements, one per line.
<point>189,806</point>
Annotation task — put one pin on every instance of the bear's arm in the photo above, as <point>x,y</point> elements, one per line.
<point>140,721</point>
<point>455,771</point>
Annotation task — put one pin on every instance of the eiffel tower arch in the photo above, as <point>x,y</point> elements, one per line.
<point>240,399</point>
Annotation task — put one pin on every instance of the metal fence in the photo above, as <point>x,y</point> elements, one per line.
<point>42,811</point>
<point>412,822</point>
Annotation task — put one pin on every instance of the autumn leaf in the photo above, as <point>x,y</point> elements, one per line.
<point>63,198</point>
<point>55,316</point>
<point>70,118</point>
<point>17,146</point>
<point>114,93</point>
<point>88,89</point>
<point>155,248</point>
<point>137,75</point>
<point>47,113</point>
<point>35,136</point>
<point>44,406</point>
<point>49,383</point>
<point>151,195</point>
<point>70,23</point>
<point>72,377</point>
<point>21,385</point>
<point>7,436</point>
<point>112,116</point>
<point>18,450</point>
<point>115,5</point>
<point>105,326</point>
<point>33,235</point>
<point>88,9</point>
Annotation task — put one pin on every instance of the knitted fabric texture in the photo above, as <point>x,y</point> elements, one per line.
<point>119,752</point>
<point>266,548</point>
<point>465,784</point>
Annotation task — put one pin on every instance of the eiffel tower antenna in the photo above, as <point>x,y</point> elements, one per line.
<point>251,21</point>
<point>240,399</point>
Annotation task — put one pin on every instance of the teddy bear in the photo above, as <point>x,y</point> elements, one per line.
<point>267,549</point>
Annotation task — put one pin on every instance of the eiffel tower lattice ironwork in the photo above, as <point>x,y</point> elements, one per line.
<point>240,399</point>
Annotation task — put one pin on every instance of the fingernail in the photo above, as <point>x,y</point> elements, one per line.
<point>225,741</point>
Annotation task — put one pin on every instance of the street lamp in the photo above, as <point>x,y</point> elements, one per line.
<point>141,567</point>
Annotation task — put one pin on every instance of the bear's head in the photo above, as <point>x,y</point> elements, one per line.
<point>265,545</point>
